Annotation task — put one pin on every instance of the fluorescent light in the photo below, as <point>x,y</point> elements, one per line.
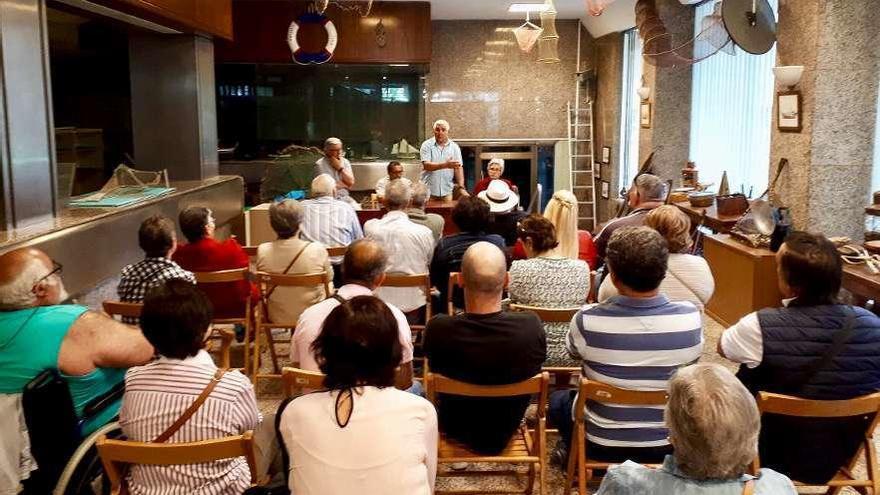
<point>493,54</point>
<point>499,43</point>
<point>527,7</point>
<point>398,65</point>
<point>504,29</point>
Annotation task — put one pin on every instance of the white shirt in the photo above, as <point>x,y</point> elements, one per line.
<point>389,445</point>
<point>688,278</point>
<point>410,247</point>
<point>743,342</point>
<point>322,166</point>
<point>308,327</point>
<point>382,183</point>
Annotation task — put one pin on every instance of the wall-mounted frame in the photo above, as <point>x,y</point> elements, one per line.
<point>597,170</point>
<point>606,189</point>
<point>606,155</point>
<point>788,111</point>
<point>645,114</point>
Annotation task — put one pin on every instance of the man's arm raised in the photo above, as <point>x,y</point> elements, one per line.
<point>98,341</point>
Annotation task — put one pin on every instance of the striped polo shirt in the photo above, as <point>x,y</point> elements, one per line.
<point>633,343</point>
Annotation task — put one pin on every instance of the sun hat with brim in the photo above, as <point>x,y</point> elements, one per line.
<point>499,196</point>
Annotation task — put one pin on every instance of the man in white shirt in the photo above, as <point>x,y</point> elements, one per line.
<point>395,172</point>
<point>334,164</point>
<point>327,220</point>
<point>363,270</point>
<point>409,246</point>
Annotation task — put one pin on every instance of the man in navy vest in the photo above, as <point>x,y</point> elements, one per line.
<point>814,348</point>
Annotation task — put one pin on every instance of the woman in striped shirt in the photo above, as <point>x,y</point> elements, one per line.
<point>175,319</point>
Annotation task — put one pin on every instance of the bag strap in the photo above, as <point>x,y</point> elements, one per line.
<point>289,266</point>
<point>339,298</point>
<point>749,488</point>
<point>840,338</point>
<point>192,407</point>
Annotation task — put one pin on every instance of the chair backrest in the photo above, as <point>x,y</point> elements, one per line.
<point>269,280</point>
<point>295,380</point>
<point>607,394</point>
<point>117,308</point>
<point>222,276</point>
<point>251,251</point>
<point>439,384</point>
<point>337,250</point>
<point>548,315</point>
<point>787,405</point>
<point>422,280</point>
<point>115,454</point>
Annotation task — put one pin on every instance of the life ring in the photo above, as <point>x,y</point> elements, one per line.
<point>306,58</point>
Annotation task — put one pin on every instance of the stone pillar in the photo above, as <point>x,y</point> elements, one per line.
<point>27,168</point>
<point>829,175</point>
<point>173,111</point>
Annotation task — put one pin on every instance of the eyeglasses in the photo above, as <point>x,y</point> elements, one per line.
<point>56,268</point>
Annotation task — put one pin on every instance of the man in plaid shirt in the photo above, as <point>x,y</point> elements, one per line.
<point>158,240</point>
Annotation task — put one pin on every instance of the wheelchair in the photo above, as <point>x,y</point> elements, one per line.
<point>68,462</point>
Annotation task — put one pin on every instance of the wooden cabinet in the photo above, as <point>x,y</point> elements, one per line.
<point>745,278</point>
<point>206,16</point>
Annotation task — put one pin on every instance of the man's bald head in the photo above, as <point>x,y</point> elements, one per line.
<point>364,263</point>
<point>484,269</point>
<point>20,270</point>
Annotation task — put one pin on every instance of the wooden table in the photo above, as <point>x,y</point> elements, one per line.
<point>863,284</point>
<point>719,223</point>
<point>745,278</point>
<point>442,208</point>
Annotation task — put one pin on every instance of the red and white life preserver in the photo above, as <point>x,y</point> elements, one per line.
<point>306,58</point>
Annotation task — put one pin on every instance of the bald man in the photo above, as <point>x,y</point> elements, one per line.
<point>484,346</point>
<point>37,332</point>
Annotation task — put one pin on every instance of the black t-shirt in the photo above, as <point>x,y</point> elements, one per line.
<point>492,349</point>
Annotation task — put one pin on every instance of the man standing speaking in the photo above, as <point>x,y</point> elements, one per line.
<point>441,163</point>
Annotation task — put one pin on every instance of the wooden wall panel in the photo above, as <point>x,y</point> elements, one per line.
<point>260,33</point>
<point>207,16</point>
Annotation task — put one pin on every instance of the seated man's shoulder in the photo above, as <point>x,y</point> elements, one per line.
<point>629,477</point>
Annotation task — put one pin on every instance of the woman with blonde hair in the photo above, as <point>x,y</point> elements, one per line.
<point>562,211</point>
<point>688,277</point>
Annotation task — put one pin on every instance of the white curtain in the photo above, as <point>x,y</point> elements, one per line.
<point>731,115</point>
<point>630,101</point>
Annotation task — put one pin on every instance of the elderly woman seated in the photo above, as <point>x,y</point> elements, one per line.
<point>494,170</point>
<point>713,426</point>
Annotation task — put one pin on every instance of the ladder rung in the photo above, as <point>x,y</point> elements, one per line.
<point>581,140</point>
<point>583,187</point>
<point>583,171</point>
<point>581,156</point>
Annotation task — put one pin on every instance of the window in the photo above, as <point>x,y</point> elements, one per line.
<point>629,122</point>
<point>731,115</point>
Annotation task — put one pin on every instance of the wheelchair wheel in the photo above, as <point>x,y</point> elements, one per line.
<point>84,474</point>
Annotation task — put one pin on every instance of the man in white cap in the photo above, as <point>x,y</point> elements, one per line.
<point>441,163</point>
<point>503,210</point>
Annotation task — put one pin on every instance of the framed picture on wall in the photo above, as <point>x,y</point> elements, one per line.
<point>606,189</point>
<point>788,111</point>
<point>645,114</point>
<point>597,170</point>
<point>606,154</point>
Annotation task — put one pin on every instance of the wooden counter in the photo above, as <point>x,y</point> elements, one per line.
<point>719,223</point>
<point>863,284</point>
<point>745,278</point>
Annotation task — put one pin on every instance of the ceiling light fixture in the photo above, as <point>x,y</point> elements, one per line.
<point>527,7</point>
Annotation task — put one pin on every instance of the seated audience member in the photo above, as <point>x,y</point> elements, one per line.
<point>562,211</point>
<point>360,434</point>
<point>633,341</point>
<point>158,240</point>
<point>471,216</point>
<point>548,280</point>
<point>204,253</point>
<point>363,269</point>
<point>484,346</point>
<point>395,172</point>
<point>648,192</point>
<point>336,166</point>
<point>408,245</point>
<point>814,348</point>
<point>176,319</point>
<point>688,277</point>
<point>37,332</point>
<point>294,256</point>
<point>713,426</point>
<point>328,220</point>
<point>504,211</point>
<point>493,170</point>
<point>416,211</point>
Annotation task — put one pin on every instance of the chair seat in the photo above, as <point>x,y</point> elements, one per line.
<point>518,449</point>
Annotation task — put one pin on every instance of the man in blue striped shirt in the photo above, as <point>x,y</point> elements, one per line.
<point>635,340</point>
<point>328,220</point>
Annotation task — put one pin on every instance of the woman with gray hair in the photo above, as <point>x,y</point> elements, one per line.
<point>713,426</point>
<point>291,255</point>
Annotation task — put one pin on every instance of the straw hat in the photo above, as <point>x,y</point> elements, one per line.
<point>499,196</point>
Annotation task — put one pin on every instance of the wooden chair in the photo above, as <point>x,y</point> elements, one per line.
<point>785,405</point>
<point>578,458</point>
<point>116,454</point>
<point>525,447</point>
<point>133,310</point>
<point>423,281</point>
<point>225,276</point>
<point>295,380</point>
<point>264,325</point>
<point>453,283</point>
<point>548,315</point>
<point>334,251</point>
